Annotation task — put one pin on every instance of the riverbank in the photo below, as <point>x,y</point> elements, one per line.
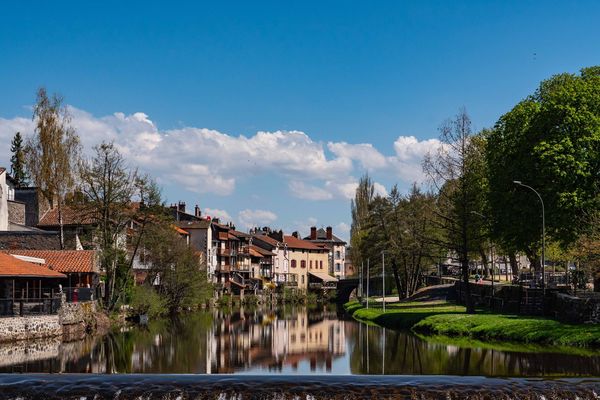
<point>444,318</point>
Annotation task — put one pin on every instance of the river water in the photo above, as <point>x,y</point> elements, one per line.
<point>285,341</point>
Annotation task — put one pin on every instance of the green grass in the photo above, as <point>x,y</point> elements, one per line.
<point>401,315</point>
<point>444,319</point>
<point>496,327</point>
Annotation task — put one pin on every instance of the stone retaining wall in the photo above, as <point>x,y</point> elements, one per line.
<point>73,322</point>
<point>29,327</point>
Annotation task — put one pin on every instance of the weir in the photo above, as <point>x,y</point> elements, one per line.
<point>290,387</point>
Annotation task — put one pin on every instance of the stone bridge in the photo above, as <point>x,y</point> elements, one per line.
<point>345,287</point>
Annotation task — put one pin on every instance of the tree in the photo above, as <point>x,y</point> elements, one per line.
<point>551,141</point>
<point>110,190</point>
<point>175,268</point>
<point>365,193</point>
<point>51,155</point>
<point>454,171</point>
<point>17,162</point>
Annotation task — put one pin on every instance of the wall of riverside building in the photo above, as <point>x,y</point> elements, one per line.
<point>29,327</point>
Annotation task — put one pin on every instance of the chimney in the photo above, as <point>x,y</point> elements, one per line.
<point>181,206</point>
<point>313,233</point>
<point>197,211</point>
<point>329,233</point>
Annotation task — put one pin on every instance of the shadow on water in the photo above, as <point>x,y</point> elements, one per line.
<point>284,341</point>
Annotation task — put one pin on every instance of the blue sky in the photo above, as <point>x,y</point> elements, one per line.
<point>193,83</point>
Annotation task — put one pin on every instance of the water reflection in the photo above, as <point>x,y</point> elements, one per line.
<point>279,341</point>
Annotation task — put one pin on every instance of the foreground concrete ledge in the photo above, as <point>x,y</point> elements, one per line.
<point>239,386</point>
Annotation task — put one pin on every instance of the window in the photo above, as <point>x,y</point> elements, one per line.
<point>293,263</point>
<point>337,267</point>
<point>338,255</point>
<point>321,264</point>
<point>303,279</point>
<point>303,264</point>
<point>310,264</point>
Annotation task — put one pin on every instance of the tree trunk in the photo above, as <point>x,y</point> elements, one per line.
<point>514,265</point>
<point>465,271</point>
<point>396,277</point>
<point>484,259</point>
<point>60,224</point>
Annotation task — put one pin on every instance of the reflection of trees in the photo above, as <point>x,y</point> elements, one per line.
<point>407,354</point>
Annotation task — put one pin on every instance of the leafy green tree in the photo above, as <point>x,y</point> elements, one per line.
<point>455,172</point>
<point>550,141</point>
<point>52,154</point>
<point>365,193</point>
<point>175,268</point>
<point>18,170</point>
<point>116,198</point>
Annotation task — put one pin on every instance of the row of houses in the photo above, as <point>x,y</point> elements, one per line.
<point>235,261</point>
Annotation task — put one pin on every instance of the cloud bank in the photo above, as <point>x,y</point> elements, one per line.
<point>203,160</point>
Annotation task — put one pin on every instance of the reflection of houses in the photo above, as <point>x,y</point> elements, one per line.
<point>26,287</point>
<point>335,245</point>
<point>244,342</point>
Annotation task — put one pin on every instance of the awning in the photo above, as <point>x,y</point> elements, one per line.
<point>323,277</point>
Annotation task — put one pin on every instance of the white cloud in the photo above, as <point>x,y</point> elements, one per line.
<point>364,153</point>
<point>343,228</point>
<point>407,163</point>
<point>251,218</point>
<point>217,213</point>
<point>309,192</point>
<point>208,161</point>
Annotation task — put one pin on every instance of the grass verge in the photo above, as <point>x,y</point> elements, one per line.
<point>445,319</point>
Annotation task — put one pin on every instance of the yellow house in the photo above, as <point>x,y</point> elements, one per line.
<point>305,258</point>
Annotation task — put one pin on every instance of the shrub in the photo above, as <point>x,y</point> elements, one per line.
<point>145,300</point>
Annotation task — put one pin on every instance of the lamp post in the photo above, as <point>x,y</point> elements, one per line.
<point>383,278</point>
<point>543,233</point>
<point>491,252</point>
<point>368,284</point>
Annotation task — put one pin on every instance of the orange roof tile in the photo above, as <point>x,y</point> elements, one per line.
<point>267,239</point>
<point>13,267</point>
<point>179,230</point>
<point>295,243</point>
<point>70,216</point>
<point>66,261</point>
<point>261,251</point>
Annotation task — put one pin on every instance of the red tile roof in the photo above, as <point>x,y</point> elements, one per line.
<point>267,239</point>
<point>179,230</point>
<point>13,267</point>
<point>261,251</point>
<point>70,216</point>
<point>66,261</point>
<point>295,243</point>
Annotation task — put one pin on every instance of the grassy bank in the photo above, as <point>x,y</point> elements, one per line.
<point>441,318</point>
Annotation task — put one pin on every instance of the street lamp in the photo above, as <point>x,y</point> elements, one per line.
<point>383,278</point>
<point>543,233</point>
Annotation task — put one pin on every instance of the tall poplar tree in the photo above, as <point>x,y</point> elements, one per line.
<point>52,153</point>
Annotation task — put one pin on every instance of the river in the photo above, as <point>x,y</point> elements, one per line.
<point>285,341</point>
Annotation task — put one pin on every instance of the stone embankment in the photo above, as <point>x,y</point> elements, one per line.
<point>73,322</point>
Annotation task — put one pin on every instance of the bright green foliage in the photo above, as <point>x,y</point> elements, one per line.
<point>550,141</point>
<point>146,300</point>
<point>496,327</point>
<point>17,161</point>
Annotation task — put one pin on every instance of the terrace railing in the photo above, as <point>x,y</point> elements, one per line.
<point>31,306</point>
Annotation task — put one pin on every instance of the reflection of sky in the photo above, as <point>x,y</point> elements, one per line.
<point>339,366</point>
